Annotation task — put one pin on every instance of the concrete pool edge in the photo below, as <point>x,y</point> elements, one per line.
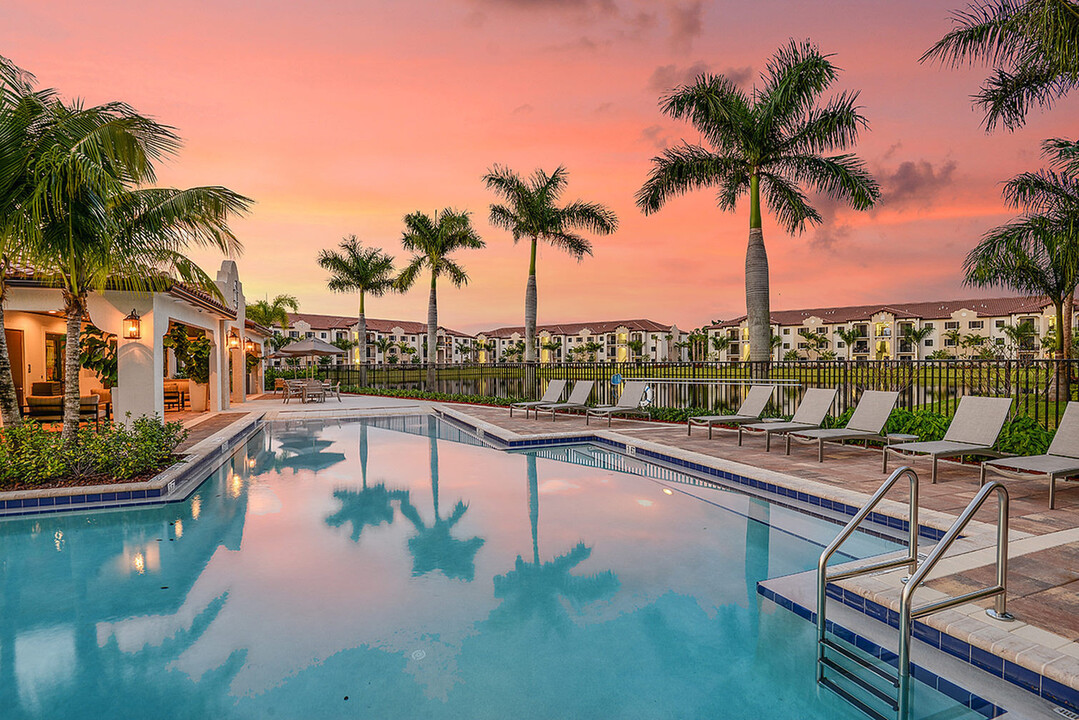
<point>174,484</point>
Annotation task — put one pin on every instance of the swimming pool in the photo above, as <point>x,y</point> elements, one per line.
<point>398,568</point>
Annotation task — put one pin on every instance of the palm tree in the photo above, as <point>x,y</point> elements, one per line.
<point>271,312</point>
<point>532,212</point>
<point>20,108</point>
<point>383,345</point>
<point>915,336</point>
<point>1039,251</point>
<point>849,336</point>
<point>720,343</point>
<point>466,348</point>
<point>98,226</point>
<point>1019,336</point>
<point>432,240</point>
<point>1032,47</point>
<point>768,140</point>
<point>367,271</point>
<point>815,342</point>
<point>553,347</point>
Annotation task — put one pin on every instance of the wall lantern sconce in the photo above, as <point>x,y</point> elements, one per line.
<point>250,346</point>
<point>234,340</point>
<point>133,326</point>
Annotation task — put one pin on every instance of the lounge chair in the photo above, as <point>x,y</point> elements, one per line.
<point>1061,460</point>
<point>749,411</point>
<point>866,423</point>
<point>809,415</point>
<point>551,395</point>
<point>974,430</point>
<point>629,403</point>
<point>578,398</point>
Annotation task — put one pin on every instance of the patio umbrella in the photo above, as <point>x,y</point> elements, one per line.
<point>311,347</point>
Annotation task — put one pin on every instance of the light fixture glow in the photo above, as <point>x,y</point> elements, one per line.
<point>668,491</point>
<point>132,326</point>
<point>233,340</point>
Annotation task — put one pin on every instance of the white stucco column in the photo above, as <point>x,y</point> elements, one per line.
<point>140,362</point>
<point>218,393</point>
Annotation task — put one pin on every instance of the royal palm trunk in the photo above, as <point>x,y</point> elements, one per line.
<point>432,334</point>
<point>758,314</point>
<point>361,343</point>
<point>9,400</point>
<point>75,307</point>
<point>530,309</point>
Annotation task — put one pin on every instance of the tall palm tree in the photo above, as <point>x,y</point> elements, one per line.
<point>768,140</point>
<point>21,107</point>
<point>367,271</point>
<point>915,336</point>
<point>1039,251</point>
<point>1032,47</point>
<point>849,336</point>
<point>383,345</point>
<point>432,240</point>
<point>532,212</point>
<point>97,223</point>
<point>271,312</point>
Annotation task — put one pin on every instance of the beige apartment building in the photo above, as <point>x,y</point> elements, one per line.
<point>602,341</point>
<point>961,328</point>
<point>407,338</point>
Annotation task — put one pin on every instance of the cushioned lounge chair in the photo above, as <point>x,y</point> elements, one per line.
<point>749,411</point>
<point>1059,462</point>
<point>551,395</point>
<point>974,430</point>
<point>866,423</point>
<point>629,403</point>
<point>578,399</point>
<point>810,414</point>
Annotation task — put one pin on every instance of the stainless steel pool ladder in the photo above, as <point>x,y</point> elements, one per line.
<point>899,697</point>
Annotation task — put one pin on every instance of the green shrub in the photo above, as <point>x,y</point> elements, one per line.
<point>32,455</point>
<point>1024,436</point>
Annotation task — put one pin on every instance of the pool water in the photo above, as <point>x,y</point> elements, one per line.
<point>399,569</point>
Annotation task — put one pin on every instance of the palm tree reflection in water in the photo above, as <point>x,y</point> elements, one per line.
<point>434,547</point>
<point>370,506</point>
<point>534,589</point>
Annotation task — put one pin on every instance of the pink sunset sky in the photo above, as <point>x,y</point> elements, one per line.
<point>340,117</point>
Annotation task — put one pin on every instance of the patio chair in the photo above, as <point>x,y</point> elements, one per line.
<point>578,397</point>
<point>332,390</point>
<point>974,430</point>
<point>314,391</point>
<point>279,385</point>
<point>750,410</point>
<point>866,423</point>
<point>293,389</point>
<point>629,403</point>
<point>551,395</point>
<point>809,415</point>
<point>1058,463</point>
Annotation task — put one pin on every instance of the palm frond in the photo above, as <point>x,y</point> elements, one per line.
<point>788,203</point>
<point>682,169</point>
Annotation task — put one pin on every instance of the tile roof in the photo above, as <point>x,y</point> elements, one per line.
<point>595,328</point>
<point>927,310</point>
<point>345,322</point>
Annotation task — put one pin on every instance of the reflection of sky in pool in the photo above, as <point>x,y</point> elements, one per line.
<point>418,577</point>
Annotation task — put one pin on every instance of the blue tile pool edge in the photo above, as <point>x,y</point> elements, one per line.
<point>191,472</point>
<point>892,523</point>
<point>1040,685</point>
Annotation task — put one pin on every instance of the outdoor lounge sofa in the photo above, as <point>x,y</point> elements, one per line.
<point>551,395</point>
<point>974,430</point>
<point>749,411</point>
<point>578,399</point>
<point>50,408</point>
<point>866,423</point>
<point>1059,462</point>
<point>810,414</point>
<point>629,403</point>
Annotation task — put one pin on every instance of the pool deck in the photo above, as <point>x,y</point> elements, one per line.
<point>1043,579</point>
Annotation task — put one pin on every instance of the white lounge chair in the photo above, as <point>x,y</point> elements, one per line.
<point>551,395</point>
<point>810,414</point>
<point>1059,462</point>
<point>974,430</point>
<point>629,403</point>
<point>749,411</point>
<point>866,423</point>
<point>578,399</point>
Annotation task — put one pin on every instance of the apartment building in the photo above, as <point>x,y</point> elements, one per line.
<point>386,339</point>
<point>604,341</point>
<point>960,328</point>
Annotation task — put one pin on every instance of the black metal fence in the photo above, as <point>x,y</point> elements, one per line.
<point>1040,388</point>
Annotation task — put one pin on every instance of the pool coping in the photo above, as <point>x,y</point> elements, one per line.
<point>173,484</point>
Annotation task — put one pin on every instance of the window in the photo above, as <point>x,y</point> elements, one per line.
<point>976,324</point>
<point>786,331</point>
<point>293,333</point>
<point>732,334</point>
<point>949,342</point>
<point>929,343</point>
<point>322,335</point>
<point>54,357</point>
<point>840,345</point>
<point>822,330</point>
<point>928,325</point>
<point>999,323</point>
<point>951,325</point>
<point>786,346</point>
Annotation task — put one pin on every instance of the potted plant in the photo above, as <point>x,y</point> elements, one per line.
<point>193,354</point>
